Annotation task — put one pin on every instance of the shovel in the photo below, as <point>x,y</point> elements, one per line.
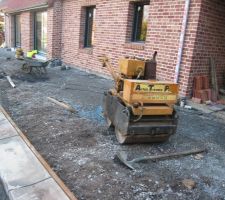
<point>123,157</point>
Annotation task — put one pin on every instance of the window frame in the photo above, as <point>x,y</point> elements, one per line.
<point>134,37</point>
<point>88,35</point>
<point>35,32</point>
<point>16,30</point>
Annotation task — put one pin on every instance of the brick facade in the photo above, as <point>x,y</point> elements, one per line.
<point>55,30</point>
<point>113,22</point>
<point>27,34</point>
<point>186,76</point>
<point>114,19</point>
<point>1,29</point>
<point>209,41</point>
<point>9,29</point>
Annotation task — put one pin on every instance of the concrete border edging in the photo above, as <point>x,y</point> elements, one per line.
<point>43,163</point>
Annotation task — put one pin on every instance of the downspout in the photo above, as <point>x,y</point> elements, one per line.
<point>182,39</point>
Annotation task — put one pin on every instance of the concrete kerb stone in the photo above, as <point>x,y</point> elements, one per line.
<point>46,189</point>
<point>6,129</point>
<point>24,173</point>
<point>19,167</point>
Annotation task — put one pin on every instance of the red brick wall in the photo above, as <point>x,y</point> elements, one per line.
<point>26,31</point>
<point>185,77</point>
<point>27,35</point>
<point>54,30</point>
<point>210,41</point>
<point>1,31</point>
<point>9,29</point>
<point>15,5</point>
<point>112,27</point>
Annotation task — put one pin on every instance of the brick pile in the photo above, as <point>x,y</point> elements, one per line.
<point>201,89</point>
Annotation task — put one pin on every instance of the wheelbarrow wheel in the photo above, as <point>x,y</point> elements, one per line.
<point>26,68</point>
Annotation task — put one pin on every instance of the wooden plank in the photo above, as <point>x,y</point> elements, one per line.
<point>10,81</point>
<point>215,89</point>
<point>62,104</point>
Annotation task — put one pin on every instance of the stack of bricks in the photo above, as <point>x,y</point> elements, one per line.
<point>201,89</point>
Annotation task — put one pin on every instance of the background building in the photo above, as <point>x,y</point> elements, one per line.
<point>80,31</point>
<point>1,28</point>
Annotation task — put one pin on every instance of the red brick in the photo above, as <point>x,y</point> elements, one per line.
<point>196,100</point>
<point>209,94</point>
<point>205,82</point>
<point>198,84</point>
<point>221,101</point>
<point>204,95</point>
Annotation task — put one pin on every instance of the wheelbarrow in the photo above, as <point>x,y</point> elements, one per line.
<point>38,65</point>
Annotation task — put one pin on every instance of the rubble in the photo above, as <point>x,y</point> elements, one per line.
<point>189,183</point>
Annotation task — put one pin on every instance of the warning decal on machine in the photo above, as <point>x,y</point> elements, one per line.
<point>154,97</point>
<point>152,88</point>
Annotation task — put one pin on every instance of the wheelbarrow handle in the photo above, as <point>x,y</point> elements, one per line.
<point>169,155</point>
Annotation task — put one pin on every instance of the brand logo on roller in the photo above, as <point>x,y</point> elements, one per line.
<point>152,88</point>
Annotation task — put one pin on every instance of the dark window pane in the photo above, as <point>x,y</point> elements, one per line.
<point>89,27</point>
<point>41,31</point>
<point>141,13</point>
<point>17,31</point>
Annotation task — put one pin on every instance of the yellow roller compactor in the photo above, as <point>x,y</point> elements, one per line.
<point>140,108</point>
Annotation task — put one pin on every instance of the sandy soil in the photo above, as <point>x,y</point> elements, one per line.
<point>81,149</point>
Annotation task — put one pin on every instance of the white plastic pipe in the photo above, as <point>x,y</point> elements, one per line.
<point>182,38</point>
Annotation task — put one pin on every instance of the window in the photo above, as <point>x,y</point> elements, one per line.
<point>89,27</point>
<point>40,32</point>
<point>141,12</point>
<point>17,26</point>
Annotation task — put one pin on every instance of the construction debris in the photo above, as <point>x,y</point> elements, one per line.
<point>189,183</point>
<point>221,101</point>
<point>216,107</point>
<point>188,107</point>
<point>222,91</point>
<point>65,67</point>
<point>19,54</point>
<point>2,74</point>
<point>209,102</point>
<point>201,89</point>
<point>10,81</point>
<point>123,157</point>
<point>62,104</point>
<point>199,156</point>
<point>196,100</point>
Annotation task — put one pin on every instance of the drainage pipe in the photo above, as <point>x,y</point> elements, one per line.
<point>182,38</point>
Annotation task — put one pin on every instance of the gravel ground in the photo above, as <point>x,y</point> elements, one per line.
<point>3,195</point>
<point>81,150</point>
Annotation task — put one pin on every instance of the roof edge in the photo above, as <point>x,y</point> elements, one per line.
<point>48,3</point>
<point>45,5</point>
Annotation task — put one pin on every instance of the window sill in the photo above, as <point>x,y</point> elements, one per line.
<point>135,45</point>
<point>87,50</point>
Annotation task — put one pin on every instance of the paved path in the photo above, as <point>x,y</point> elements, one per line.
<point>23,175</point>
